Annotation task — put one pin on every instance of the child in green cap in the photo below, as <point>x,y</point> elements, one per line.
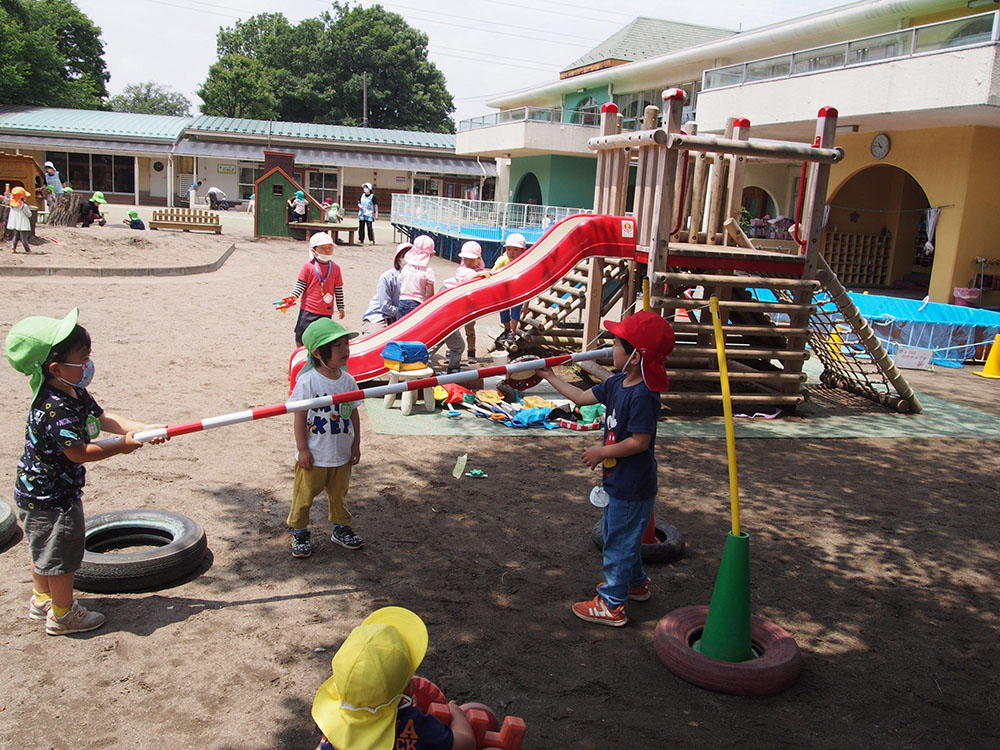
<point>62,421</point>
<point>327,439</point>
<point>133,220</point>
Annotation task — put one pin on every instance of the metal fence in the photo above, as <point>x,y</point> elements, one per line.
<point>477,220</point>
<point>920,40</point>
<point>532,114</point>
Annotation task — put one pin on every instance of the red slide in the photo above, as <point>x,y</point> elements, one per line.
<point>548,260</point>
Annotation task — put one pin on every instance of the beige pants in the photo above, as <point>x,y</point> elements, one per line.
<point>309,483</point>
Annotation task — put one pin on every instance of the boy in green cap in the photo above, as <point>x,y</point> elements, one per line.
<point>62,421</point>
<point>133,220</point>
<point>327,439</point>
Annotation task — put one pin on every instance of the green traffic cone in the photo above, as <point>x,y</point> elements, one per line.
<point>726,634</point>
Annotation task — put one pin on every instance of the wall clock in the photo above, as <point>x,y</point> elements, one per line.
<point>880,145</point>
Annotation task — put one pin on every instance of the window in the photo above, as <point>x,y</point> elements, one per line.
<point>588,112</point>
<point>109,174</point>
<point>249,174</point>
<point>426,186</point>
<point>324,184</point>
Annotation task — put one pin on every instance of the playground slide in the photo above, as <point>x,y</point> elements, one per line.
<point>548,260</point>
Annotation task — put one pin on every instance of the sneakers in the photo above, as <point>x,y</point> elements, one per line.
<point>638,593</point>
<point>345,537</point>
<point>38,611</point>
<point>77,620</point>
<point>471,357</point>
<point>301,546</point>
<point>597,610</point>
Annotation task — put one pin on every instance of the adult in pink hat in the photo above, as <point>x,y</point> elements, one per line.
<point>626,458</point>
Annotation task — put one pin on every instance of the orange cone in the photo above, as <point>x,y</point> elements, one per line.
<point>992,369</point>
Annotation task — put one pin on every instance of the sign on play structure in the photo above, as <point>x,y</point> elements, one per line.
<point>908,358</point>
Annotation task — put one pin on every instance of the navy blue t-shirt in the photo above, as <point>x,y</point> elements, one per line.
<point>630,410</point>
<point>136,224</point>
<point>56,421</point>
<point>414,731</point>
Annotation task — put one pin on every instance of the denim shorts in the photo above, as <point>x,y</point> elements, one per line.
<point>56,538</point>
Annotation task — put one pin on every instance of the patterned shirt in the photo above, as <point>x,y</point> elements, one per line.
<point>632,409</point>
<point>56,421</point>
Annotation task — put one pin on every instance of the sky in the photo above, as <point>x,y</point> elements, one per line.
<point>483,47</point>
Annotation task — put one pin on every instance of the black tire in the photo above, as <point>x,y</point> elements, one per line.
<point>180,546</point>
<point>775,668</point>
<point>8,523</point>
<point>669,544</point>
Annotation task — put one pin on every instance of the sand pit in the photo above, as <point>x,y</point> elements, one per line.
<point>879,555</point>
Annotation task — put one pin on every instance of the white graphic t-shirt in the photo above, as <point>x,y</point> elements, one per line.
<point>328,428</point>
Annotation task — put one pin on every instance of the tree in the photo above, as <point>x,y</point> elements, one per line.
<point>149,98</point>
<point>317,66</point>
<point>52,55</point>
<point>238,86</point>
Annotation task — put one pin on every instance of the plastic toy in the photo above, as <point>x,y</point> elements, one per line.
<point>284,303</point>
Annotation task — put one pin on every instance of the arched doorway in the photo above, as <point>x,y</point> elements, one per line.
<point>759,203</point>
<point>528,190</point>
<point>877,230</point>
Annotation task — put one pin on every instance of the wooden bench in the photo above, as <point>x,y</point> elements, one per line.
<point>186,219</point>
<point>312,227</point>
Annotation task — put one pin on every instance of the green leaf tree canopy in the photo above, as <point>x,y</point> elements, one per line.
<point>52,55</point>
<point>238,86</point>
<point>149,98</point>
<point>316,68</point>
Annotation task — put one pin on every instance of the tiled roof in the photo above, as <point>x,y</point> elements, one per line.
<point>92,122</point>
<point>317,131</point>
<point>649,37</point>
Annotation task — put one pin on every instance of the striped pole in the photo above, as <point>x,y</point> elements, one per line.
<point>264,412</point>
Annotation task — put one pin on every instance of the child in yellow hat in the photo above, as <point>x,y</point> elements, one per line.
<point>19,219</point>
<point>368,702</point>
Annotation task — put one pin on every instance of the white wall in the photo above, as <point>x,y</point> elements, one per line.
<point>385,179</point>
<point>208,173</point>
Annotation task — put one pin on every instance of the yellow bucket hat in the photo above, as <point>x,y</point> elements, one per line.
<point>357,706</point>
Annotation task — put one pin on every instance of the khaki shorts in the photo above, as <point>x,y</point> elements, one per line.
<point>56,538</point>
<point>309,483</point>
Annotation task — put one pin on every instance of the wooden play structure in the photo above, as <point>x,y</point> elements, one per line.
<point>19,170</point>
<point>186,219</point>
<point>273,190</point>
<point>780,301</point>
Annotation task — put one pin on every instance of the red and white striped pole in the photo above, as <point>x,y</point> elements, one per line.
<point>263,412</point>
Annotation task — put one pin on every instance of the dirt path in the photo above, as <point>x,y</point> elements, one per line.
<point>880,556</point>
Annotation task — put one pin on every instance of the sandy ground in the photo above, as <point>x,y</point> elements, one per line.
<point>879,556</point>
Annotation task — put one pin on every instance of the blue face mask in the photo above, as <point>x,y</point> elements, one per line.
<point>86,374</point>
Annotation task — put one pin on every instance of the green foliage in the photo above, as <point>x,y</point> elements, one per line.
<point>316,68</point>
<point>52,55</point>
<point>149,98</point>
<point>238,86</point>
<point>745,217</point>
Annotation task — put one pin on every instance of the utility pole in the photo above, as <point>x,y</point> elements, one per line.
<point>364,99</point>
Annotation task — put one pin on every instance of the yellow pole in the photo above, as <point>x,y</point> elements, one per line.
<point>727,408</point>
<point>645,293</point>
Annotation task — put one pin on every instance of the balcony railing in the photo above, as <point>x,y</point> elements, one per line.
<point>944,36</point>
<point>477,220</point>
<point>532,114</point>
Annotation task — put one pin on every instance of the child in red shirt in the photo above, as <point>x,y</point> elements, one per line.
<point>320,284</point>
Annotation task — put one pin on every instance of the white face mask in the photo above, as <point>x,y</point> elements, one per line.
<point>367,191</point>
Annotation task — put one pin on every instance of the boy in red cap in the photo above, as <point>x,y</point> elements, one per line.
<point>642,344</point>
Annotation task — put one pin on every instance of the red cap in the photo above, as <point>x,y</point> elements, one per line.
<point>653,338</point>
<point>609,107</point>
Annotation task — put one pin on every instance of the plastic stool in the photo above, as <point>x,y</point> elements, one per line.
<point>410,397</point>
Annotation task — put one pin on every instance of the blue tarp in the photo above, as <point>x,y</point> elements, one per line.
<point>877,307</point>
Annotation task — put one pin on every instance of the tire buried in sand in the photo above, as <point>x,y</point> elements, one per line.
<point>775,667</point>
<point>8,522</point>
<point>171,546</point>
<point>669,545</point>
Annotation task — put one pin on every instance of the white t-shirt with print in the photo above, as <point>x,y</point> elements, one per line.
<point>329,428</point>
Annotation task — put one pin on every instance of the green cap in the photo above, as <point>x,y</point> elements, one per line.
<point>98,198</point>
<point>67,189</point>
<point>133,214</point>
<point>29,342</point>
<point>320,332</point>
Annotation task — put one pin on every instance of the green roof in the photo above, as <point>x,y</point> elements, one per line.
<point>318,131</point>
<point>649,37</point>
<point>92,122</point>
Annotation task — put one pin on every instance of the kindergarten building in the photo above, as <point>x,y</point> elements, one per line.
<point>152,159</point>
<point>917,87</point>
